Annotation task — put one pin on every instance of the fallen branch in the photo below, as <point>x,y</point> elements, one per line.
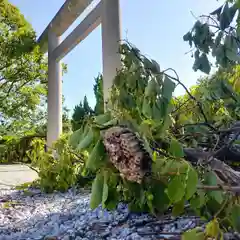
<point>235,189</point>
<point>225,174</point>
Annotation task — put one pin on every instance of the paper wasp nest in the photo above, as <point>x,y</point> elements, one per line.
<point>127,153</point>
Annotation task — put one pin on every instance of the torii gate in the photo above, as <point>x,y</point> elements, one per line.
<point>106,13</point>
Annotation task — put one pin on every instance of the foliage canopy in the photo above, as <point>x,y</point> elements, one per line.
<point>23,71</point>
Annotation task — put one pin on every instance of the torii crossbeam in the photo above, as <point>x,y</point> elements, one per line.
<point>106,13</point>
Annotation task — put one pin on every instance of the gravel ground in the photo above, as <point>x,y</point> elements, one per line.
<point>33,215</point>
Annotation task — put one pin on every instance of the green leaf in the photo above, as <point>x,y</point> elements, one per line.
<point>176,149</point>
<point>224,19</point>
<point>231,46</point>
<point>97,191</point>
<point>155,67</point>
<point>111,123</point>
<point>149,200</point>
<point>151,88</point>
<point>156,112</point>
<point>204,64</point>
<point>213,229</point>
<point>235,217</point>
<point>176,190</point>
<point>95,159</point>
<point>86,141</point>
<point>168,88</point>
<point>217,43</point>
<point>160,197</point>
<point>147,63</point>
<point>102,118</point>
<point>193,234</point>
<point>105,188</point>
<point>187,37</point>
<point>211,180</point>
<point>75,138</point>
<point>147,145</point>
<point>164,167</point>
<point>178,208</point>
<point>232,55</point>
<point>146,109</point>
<point>217,12</point>
<point>191,183</point>
<point>154,156</point>
<point>112,198</point>
<point>166,123</point>
<point>227,16</point>
<point>198,201</point>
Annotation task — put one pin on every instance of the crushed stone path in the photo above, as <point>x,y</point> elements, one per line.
<point>15,174</point>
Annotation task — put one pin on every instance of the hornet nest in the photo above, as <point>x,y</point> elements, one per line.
<point>127,153</point>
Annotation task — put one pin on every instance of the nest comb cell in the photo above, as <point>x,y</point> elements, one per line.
<point>127,153</point>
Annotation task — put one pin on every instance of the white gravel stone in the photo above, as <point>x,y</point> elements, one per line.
<point>68,216</point>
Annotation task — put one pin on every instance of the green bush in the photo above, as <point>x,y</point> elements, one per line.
<point>56,168</point>
<point>14,149</point>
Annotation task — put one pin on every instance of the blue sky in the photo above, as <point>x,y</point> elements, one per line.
<point>156,27</point>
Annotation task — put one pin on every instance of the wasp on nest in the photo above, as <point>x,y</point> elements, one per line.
<point>127,153</point>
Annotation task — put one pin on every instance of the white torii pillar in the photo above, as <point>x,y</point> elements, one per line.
<point>54,123</point>
<point>111,36</point>
<point>107,13</point>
